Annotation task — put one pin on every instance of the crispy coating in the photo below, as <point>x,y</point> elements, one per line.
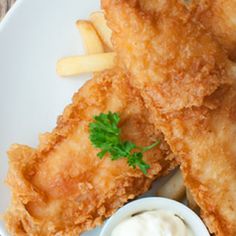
<point>199,122</point>
<point>62,187</point>
<point>204,140</point>
<point>217,17</point>
<point>175,51</point>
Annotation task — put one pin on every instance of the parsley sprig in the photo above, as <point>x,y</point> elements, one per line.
<point>105,134</point>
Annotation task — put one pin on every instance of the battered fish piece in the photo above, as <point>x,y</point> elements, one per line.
<point>62,187</point>
<point>165,52</point>
<point>217,17</point>
<point>189,87</point>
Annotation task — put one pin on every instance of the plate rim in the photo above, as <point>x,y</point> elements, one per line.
<point>9,14</point>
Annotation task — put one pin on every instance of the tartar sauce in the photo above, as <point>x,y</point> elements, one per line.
<point>153,223</point>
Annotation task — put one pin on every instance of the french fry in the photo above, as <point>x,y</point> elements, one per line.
<point>174,188</point>
<point>191,202</point>
<point>100,23</point>
<point>92,42</point>
<point>76,65</point>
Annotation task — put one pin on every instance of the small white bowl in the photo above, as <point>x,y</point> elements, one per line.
<point>156,203</point>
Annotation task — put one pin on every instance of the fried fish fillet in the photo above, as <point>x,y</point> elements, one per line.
<point>189,86</point>
<point>164,53</point>
<point>217,17</point>
<point>62,187</point>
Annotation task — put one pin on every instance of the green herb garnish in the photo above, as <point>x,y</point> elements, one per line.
<point>105,134</point>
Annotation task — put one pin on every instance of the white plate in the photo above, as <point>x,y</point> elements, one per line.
<point>33,35</point>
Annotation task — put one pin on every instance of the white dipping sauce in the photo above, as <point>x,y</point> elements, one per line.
<point>153,223</point>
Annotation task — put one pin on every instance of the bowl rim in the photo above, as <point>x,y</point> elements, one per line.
<point>156,203</point>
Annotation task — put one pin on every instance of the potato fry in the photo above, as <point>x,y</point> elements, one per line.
<point>92,42</point>
<point>100,23</point>
<point>174,188</point>
<point>191,202</point>
<point>76,65</point>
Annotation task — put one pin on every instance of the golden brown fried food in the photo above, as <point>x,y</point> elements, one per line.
<point>189,86</point>
<point>62,187</point>
<point>217,17</point>
<point>165,52</point>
